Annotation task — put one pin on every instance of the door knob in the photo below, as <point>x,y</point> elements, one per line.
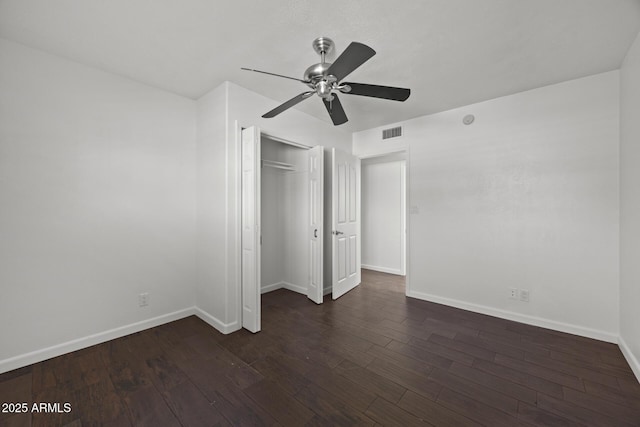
<point>337,233</point>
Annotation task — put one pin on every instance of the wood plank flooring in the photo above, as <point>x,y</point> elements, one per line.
<point>373,357</point>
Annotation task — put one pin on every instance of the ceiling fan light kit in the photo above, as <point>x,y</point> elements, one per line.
<point>325,80</point>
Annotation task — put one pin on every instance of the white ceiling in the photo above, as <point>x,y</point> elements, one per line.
<point>449,52</point>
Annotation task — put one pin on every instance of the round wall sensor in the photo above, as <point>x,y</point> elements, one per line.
<point>468,119</point>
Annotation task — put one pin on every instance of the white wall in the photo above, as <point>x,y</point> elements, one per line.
<point>100,200</point>
<point>295,220</point>
<point>97,204</point>
<point>383,215</point>
<point>525,197</point>
<point>630,207</point>
<point>220,286</point>
<point>211,205</point>
<point>284,219</point>
<point>272,220</point>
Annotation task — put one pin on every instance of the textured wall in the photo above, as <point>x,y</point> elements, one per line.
<point>525,197</point>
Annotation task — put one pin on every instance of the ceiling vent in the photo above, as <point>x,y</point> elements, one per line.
<point>392,133</point>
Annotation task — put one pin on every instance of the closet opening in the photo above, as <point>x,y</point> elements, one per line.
<point>282,221</point>
<point>284,216</point>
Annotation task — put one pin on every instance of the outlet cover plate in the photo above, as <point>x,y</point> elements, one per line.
<point>143,299</point>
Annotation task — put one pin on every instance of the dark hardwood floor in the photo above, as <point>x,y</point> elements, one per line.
<point>373,357</point>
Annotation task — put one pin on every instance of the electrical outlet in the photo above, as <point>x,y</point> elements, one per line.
<point>143,299</point>
<point>513,293</point>
<point>524,295</point>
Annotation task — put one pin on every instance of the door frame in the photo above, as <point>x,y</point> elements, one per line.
<point>254,241</point>
<point>407,209</point>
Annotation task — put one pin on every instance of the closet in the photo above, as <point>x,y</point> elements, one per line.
<point>284,216</point>
<point>282,220</point>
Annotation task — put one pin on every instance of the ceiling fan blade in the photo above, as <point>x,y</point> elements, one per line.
<point>277,75</point>
<point>335,110</point>
<point>375,91</point>
<point>290,103</point>
<point>353,56</point>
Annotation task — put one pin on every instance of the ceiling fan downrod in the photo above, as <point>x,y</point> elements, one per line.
<point>323,46</point>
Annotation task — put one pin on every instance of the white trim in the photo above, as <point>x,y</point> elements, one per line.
<point>272,287</point>
<point>631,359</point>
<point>385,153</point>
<point>285,141</point>
<point>285,285</point>
<point>518,317</point>
<point>295,288</point>
<point>403,216</point>
<point>407,224</point>
<point>395,271</point>
<point>225,328</point>
<point>90,340</point>
<point>234,286</point>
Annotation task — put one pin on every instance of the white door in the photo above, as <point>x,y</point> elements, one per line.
<point>315,287</point>
<point>345,196</point>
<point>250,228</point>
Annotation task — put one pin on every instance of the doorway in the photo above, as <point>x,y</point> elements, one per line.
<point>282,220</point>
<point>285,212</point>
<point>297,215</point>
<point>384,213</point>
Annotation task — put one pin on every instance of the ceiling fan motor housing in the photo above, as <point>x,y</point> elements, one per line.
<point>316,74</point>
<point>319,81</point>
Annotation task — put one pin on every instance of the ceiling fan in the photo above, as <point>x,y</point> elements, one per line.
<point>325,80</point>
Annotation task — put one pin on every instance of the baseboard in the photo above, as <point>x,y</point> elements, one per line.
<point>283,285</point>
<point>225,328</point>
<point>84,342</point>
<point>631,359</point>
<point>295,288</point>
<point>518,317</point>
<point>395,271</point>
<point>271,287</point>
<point>326,291</point>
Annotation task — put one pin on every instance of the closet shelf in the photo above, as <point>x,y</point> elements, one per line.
<point>278,165</point>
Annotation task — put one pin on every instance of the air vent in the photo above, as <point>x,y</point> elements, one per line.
<point>392,132</point>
